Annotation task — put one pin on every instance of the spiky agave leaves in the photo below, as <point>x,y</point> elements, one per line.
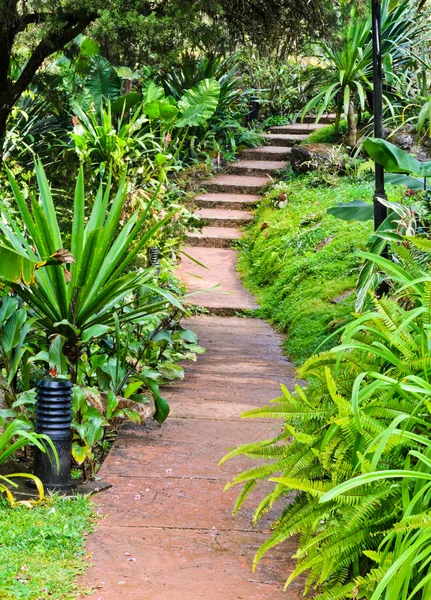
<point>80,302</point>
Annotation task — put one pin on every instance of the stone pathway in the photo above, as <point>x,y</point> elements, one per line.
<point>169,533</point>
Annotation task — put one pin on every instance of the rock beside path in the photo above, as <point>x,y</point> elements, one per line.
<point>309,157</point>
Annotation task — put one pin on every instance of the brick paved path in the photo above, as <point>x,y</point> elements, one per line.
<point>168,532</point>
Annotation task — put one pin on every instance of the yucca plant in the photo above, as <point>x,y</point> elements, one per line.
<point>78,296</point>
<point>363,417</point>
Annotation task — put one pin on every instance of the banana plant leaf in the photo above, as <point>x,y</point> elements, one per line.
<point>413,183</point>
<point>356,210</point>
<point>395,160</point>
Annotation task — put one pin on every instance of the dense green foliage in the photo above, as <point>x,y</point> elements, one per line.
<point>300,262</point>
<point>41,550</point>
<point>355,446</point>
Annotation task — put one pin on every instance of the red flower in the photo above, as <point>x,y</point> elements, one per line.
<point>53,372</point>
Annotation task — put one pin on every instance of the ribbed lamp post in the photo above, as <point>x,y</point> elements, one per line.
<point>380,210</point>
<point>54,418</point>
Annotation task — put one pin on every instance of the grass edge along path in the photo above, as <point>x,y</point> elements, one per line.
<point>300,262</point>
<point>42,549</point>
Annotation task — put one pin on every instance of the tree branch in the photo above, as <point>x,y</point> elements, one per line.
<point>45,48</point>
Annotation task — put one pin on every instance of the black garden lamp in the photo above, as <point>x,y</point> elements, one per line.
<point>54,418</point>
<point>155,258</point>
<point>380,210</point>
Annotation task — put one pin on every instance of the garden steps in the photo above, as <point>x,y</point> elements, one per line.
<point>256,167</point>
<point>214,237</point>
<point>284,139</point>
<point>219,217</point>
<point>168,531</point>
<point>239,184</point>
<point>226,200</point>
<point>222,206</point>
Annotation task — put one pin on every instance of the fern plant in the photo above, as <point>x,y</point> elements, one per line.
<point>365,414</point>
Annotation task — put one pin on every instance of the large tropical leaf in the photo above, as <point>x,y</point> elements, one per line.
<point>413,183</point>
<point>125,103</point>
<point>102,80</point>
<point>395,160</point>
<point>356,210</point>
<point>16,268</point>
<point>199,104</point>
<point>160,109</point>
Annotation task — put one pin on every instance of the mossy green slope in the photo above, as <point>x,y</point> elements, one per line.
<point>300,262</point>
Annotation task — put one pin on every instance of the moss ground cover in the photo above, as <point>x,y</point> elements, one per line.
<point>42,549</point>
<point>300,262</point>
<point>327,134</point>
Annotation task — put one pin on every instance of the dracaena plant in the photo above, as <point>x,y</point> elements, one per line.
<point>79,297</point>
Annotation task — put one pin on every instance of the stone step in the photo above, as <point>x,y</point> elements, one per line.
<point>256,167</point>
<point>328,118</point>
<point>214,237</point>
<point>219,217</point>
<point>267,153</point>
<point>240,184</point>
<point>301,128</point>
<point>284,139</point>
<point>227,201</point>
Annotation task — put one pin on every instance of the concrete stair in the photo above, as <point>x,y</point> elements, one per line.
<point>214,237</point>
<point>219,217</point>
<point>226,200</point>
<point>325,119</point>
<point>237,184</point>
<point>298,128</point>
<point>250,167</point>
<point>284,139</point>
<point>267,153</point>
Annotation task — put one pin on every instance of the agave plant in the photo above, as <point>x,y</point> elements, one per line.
<point>79,294</point>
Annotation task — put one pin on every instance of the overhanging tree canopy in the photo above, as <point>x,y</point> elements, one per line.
<point>50,25</point>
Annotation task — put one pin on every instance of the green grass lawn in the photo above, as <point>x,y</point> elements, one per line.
<point>42,548</point>
<point>300,262</point>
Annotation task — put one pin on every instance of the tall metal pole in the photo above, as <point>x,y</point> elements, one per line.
<point>380,211</point>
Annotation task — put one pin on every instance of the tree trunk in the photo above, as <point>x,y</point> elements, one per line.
<point>5,111</point>
<point>351,126</point>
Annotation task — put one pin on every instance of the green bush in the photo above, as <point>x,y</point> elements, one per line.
<point>355,448</point>
<point>300,262</point>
